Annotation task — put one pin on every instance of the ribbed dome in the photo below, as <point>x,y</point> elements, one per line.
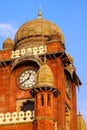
<point>81,122</point>
<point>36,28</point>
<point>45,76</point>
<point>8,44</point>
<point>45,81</point>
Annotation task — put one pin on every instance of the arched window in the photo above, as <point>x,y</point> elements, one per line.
<point>42,100</point>
<point>48,100</point>
<point>28,105</point>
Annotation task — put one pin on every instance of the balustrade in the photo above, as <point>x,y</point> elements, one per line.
<point>16,117</point>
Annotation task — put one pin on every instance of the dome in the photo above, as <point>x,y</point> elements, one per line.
<point>34,30</point>
<point>45,76</point>
<point>45,81</point>
<point>8,44</point>
<point>81,122</point>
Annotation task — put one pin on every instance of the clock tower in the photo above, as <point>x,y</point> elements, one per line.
<point>38,80</point>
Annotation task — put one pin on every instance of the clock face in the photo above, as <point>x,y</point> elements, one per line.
<point>27,79</point>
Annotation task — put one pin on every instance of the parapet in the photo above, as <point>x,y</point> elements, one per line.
<point>16,117</point>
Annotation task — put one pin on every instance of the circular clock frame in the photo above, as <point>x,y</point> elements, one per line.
<point>27,78</point>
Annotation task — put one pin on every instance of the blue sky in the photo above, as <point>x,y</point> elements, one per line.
<point>69,15</point>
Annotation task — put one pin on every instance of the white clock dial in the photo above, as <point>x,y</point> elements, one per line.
<point>27,78</point>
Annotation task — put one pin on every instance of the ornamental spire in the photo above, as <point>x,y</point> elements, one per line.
<point>40,12</point>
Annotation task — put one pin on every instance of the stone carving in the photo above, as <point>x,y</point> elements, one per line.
<point>16,117</point>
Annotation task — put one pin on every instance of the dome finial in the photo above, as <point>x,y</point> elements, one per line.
<point>79,112</point>
<point>40,12</point>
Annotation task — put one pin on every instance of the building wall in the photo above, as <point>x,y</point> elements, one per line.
<point>23,126</point>
<point>12,97</point>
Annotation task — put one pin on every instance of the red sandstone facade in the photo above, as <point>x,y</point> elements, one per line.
<point>61,114</point>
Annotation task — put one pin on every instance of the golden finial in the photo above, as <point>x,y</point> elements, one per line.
<point>40,12</point>
<point>79,112</point>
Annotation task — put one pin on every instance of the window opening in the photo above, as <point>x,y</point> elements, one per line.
<point>42,100</point>
<point>28,105</point>
<point>49,100</point>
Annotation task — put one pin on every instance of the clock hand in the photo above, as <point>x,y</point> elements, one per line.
<point>26,79</point>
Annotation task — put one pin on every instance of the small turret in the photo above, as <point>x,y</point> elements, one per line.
<point>45,81</point>
<point>44,94</point>
<point>8,44</point>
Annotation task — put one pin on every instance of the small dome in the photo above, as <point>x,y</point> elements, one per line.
<point>45,76</point>
<point>34,30</point>
<point>8,44</point>
<point>81,122</point>
<point>45,81</point>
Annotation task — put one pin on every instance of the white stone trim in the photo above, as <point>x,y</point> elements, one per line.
<point>16,117</point>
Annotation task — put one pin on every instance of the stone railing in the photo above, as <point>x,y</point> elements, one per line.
<point>16,117</point>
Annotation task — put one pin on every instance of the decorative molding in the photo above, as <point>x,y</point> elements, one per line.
<point>34,91</point>
<point>16,117</point>
<point>34,51</point>
<point>26,58</point>
<point>45,118</point>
